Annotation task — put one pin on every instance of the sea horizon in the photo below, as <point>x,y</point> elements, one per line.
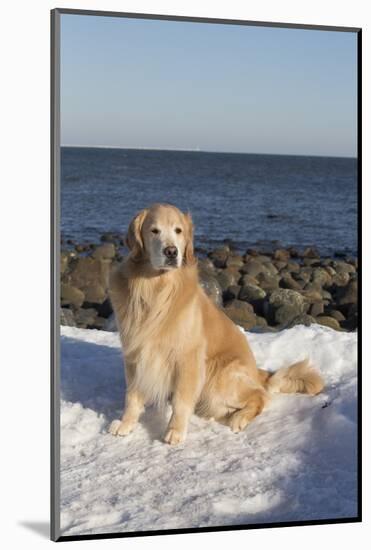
<point>199,150</point>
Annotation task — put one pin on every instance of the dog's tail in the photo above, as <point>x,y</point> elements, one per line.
<point>298,378</point>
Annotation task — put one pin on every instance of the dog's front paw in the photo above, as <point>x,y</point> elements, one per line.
<point>121,427</point>
<point>174,436</point>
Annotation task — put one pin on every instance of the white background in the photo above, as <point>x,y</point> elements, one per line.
<point>24,269</point>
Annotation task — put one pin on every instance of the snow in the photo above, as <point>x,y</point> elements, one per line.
<point>297,461</point>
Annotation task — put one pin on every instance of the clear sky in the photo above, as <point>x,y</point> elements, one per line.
<point>170,84</point>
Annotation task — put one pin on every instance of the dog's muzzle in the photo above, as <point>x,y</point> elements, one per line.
<point>171,254</point>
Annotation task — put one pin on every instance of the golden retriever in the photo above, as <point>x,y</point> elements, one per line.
<point>177,344</point>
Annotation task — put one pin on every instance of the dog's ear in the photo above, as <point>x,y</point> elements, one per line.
<point>134,239</point>
<point>189,257</point>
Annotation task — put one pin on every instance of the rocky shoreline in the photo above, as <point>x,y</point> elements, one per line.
<point>261,291</point>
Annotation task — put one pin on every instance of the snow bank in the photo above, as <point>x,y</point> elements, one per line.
<point>297,461</point>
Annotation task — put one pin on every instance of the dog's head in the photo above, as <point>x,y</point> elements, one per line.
<point>162,235</point>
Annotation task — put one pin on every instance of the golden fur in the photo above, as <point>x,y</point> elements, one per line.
<point>177,344</point>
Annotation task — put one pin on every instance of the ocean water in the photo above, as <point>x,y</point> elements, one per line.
<point>250,200</point>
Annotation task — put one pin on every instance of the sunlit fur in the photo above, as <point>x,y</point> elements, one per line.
<point>178,345</point>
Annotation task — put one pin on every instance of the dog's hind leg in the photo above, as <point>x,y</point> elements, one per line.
<point>254,403</point>
<point>243,396</point>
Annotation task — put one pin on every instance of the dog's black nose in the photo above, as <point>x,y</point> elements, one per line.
<point>171,251</point>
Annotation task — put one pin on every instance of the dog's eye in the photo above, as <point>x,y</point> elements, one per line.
<point>178,230</point>
<point>155,230</point>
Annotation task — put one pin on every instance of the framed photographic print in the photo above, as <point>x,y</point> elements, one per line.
<point>205,205</point>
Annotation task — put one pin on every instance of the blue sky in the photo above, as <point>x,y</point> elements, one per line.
<point>170,84</point>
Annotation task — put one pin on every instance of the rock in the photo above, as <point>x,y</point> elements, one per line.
<point>268,282</point>
<point>227,277</point>
<point>91,276</point>
<point>280,265</point>
<point>312,295</point>
<point>211,286</point>
<point>288,282</point>
<point>252,267</point>
<point>287,313</point>
<point>219,256</point>
<point>110,324</point>
<point>311,262</point>
<point>320,276</point>
<point>283,297</point>
<point>316,309</point>
<point>79,248</point>
<point>71,295</point>
<point>248,280</point>
<point>311,252</point>
<point>348,294</point>
<point>106,251</point>
<point>281,255</point>
<point>107,237</point>
<point>250,293</point>
<point>205,264</point>
<point>303,319</point>
<point>263,259</point>
<point>234,261</point>
<point>63,262</point>
<point>304,274</point>
<point>231,293</point>
<point>293,252</point>
<point>241,313</point>
<point>66,317</point>
<point>104,310</point>
<point>85,318</point>
<point>336,314</point>
<point>293,267</point>
<point>341,279</point>
<point>261,321</point>
<point>327,321</point>
<point>343,267</point>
